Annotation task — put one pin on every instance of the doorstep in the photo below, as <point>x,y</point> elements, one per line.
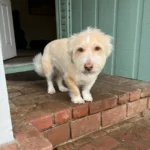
<point>54,119</point>
<point>132,134</point>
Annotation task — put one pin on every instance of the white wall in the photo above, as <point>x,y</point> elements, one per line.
<point>6,134</point>
<point>36,27</point>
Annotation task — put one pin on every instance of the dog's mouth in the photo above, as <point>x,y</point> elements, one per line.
<point>86,72</point>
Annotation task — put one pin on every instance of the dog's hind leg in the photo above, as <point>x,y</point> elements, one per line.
<point>59,81</point>
<point>48,72</point>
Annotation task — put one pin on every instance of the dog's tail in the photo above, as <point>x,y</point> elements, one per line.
<point>38,65</point>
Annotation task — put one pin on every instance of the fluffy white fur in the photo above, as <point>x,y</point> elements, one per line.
<point>77,60</point>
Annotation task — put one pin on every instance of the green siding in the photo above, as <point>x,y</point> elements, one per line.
<point>89,13</point>
<point>128,22</point>
<point>94,13</point>
<point>76,16</point>
<point>126,38</point>
<point>144,63</point>
<point>107,23</point>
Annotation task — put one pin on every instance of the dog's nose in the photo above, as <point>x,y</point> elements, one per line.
<point>88,67</point>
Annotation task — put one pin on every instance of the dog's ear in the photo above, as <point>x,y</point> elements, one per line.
<point>70,48</point>
<point>108,45</point>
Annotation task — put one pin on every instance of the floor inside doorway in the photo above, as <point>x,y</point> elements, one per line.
<point>23,56</point>
<point>22,62</point>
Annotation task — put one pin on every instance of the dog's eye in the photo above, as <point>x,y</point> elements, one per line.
<point>80,49</point>
<point>97,48</point>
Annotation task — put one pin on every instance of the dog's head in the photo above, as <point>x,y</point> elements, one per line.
<point>89,50</point>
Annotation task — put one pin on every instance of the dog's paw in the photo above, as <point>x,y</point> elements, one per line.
<point>77,100</point>
<point>51,90</point>
<point>63,89</point>
<point>87,97</point>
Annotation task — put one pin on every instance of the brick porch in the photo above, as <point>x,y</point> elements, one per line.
<point>41,120</point>
<point>132,134</point>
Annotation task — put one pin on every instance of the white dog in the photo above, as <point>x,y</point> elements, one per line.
<point>77,60</point>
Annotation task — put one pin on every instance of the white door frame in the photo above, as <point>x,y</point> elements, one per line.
<point>6,133</point>
<point>7,30</point>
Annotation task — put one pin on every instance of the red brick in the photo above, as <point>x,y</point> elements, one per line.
<point>25,131</point>
<point>13,108</point>
<point>62,112</point>
<point>11,90</point>
<point>148,103</point>
<point>80,110</point>
<point>84,125</point>
<point>134,93</point>
<point>82,141</point>
<point>36,143</point>
<point>143,132</point>
<point>14,94</point>
<point>105,87</point>
<point>136,107</point>
<point>68,146</point>
<point>88,147</point>
<point>123,97</point>
<point>40,119</point>
<point>123,92</point>
<point>133,83</point>
<point>102,102</point>
<point>105,143</point>
<point>113,115</point>
<point>63,116</point>
<point>123,148</point>
<point>145,90</point>
<point>98,134</point>
<point>145,122</point>
<point>11,146</point>
<point>76,144</point>
<point>31,99</point>
<point>130,139</point>
<point>122,125</point>
<point>114,79</point>
<point>59,134</point>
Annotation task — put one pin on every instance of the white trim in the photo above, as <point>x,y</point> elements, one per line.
<point>6,134</point>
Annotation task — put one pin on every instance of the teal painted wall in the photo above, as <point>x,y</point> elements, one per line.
<point>93,13</point>
<point>127,37</point>
<point>128,21</point>
<point>144,57</point>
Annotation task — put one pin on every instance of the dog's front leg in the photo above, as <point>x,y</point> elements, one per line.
<point>74,90</point>
<point>86,91</point>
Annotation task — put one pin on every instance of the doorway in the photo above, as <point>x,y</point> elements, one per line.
<point>34,26</point>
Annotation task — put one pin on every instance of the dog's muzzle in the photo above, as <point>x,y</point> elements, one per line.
<point>88,67</point>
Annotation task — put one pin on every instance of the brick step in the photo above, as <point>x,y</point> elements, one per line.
<point>28,137</point>
<point>130,134</point>
<point>58,120</point>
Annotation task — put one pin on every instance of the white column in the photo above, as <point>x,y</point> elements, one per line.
<point>6,134</point>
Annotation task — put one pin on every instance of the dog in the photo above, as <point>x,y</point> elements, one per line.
<point>77,60</point>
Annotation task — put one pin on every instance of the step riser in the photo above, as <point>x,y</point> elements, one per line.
<point>76,128</point>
